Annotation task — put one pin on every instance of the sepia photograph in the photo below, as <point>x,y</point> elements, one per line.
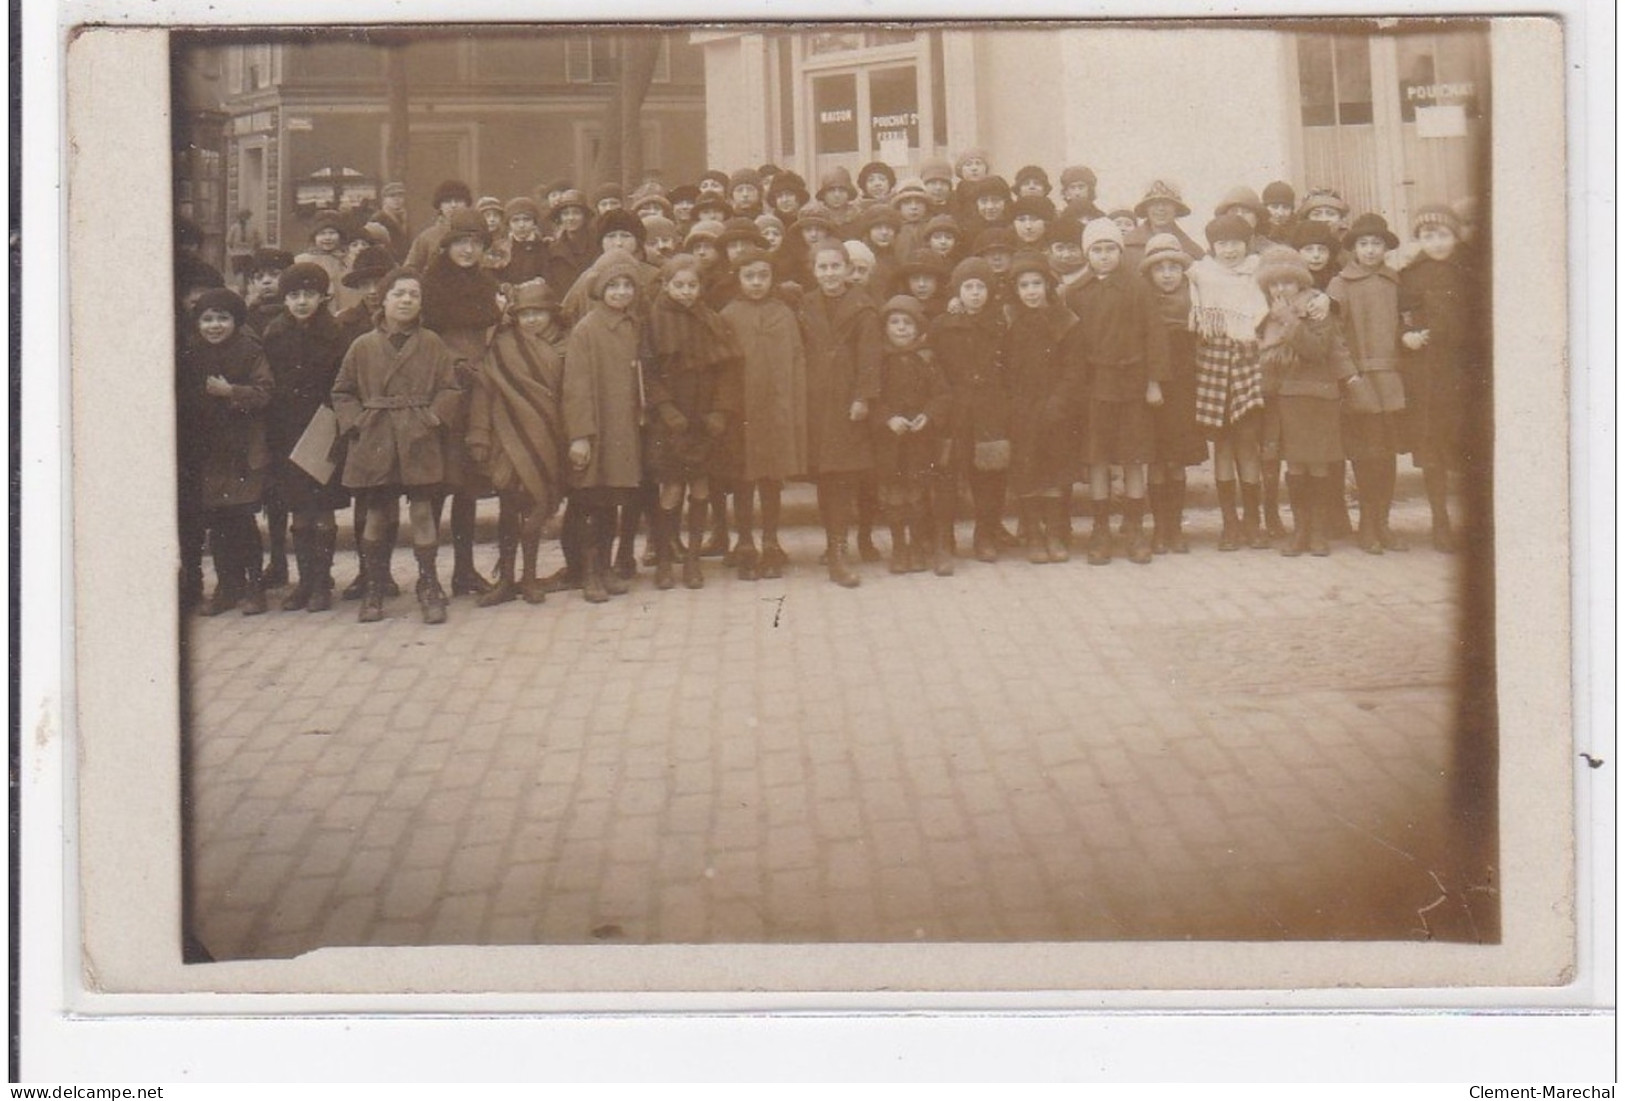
<point>822,507</point>
<point>835,483</point>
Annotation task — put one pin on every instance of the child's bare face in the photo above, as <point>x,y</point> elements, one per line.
<point>942,241</point>
<point>493,221</point>
<point>1230,253</point>
<point>303,303</point>
<point>369,289</point>
<point>1032,289</point>
<point>990,207</point>
<point>787,202</point>
<point>1316,256</point>
<point>975,168</point>
<point>1065,253</point>
<point>572,218</point>
<point>663,245</point>
<point>939,189</point>
<point>1104,257</point>
<point>1370,250</point>
<point>1437,242</point>
<point>619,292</point>
<point>901,329</point>
<point>1167,275</point>
<point>649,210</point>
<point>1000,260</point>
<point>836,197</point>
<point>465,252</point>
<point>1326,214</point>
<point>327,240</point>
<point>774,236</point>
<point>882,233</point>
<point>876,186</point>
<point>683,288</point>
<point>705,251</point>
<point>216,326</point>
<point>607,204</point>
<point>534,321</point>
<point>830,271</point>
<point>712,187</point>
<point>1127,225</point>
<point>858,271</point>
<point>1030,187</point>
<point>1076,192</point>
<point>972,295</point>
<point>403,301</point>
<point>1160,212</point>
<point>922,285</point>
<point>522,226</point>
<point>710,214</point>
<point>756,280</point>
<point>1280,213</point>
<point>263,284</point>
<point>620,240</point>
<point>746,195</point>
<point>1028,228</point>
<point>683,208</point>
<point>912,209</point>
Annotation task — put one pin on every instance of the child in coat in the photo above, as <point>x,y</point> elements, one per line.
<point>1179,441</point>
<point>911,444</point>
<point>395,393</point>
<point>842,336</point>
<point>224,387</point>
<point>603,413</point>
<point>774,408</point>
<point>304,348</point>
<point>1126,359</point>
<point>1367,294</point>
<point>691,395</point>
<point>516,434</point>
<point>1305,352</point>
<point>968,345</point>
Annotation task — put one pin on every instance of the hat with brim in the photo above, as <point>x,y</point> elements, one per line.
<point>533,294</point>
<point>1370,225</point>
<point>1163,246</point>
<point>1242,197</point>
<point>568,199</point>
<point>372,262</point>
<point>1161,191</point>
<point>924,262</point>
<point>904,304</point>
<point>464,224</point>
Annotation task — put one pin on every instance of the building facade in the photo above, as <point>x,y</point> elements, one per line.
<point>305,121</point>
<point>1390,117</point>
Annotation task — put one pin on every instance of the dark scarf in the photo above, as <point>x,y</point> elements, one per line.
<point>458,298</point>
<point>689,339</point>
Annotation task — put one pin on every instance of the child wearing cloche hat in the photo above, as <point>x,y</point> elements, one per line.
<point>909,417</point>
<point>1178,440</point>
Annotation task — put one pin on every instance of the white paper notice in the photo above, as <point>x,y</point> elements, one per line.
<point>1447,121</point>
<point>894,151</point>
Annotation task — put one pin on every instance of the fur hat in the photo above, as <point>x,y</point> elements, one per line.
<point>1229,227</point>
<point>1435,214</point>
<point>614,269</point>
<point>1370,225</point>
<point>683,193</point>
<point>658,225</point>
<point>464,223</point>
<point>1323,198</point>
<point>1067,229</point>
<point>1163,246</point>
<point>570,197</point>
<point>487,202</point>
<point>524,204</point>
<point>372,262</point>
<point>835,177</point>
<point>1279,192</point>
<point>996,239</point>
<point>1102,229</point>
<point>1035,173</point>
<point>883,168</point>
<point>987,185</point>
<point>269,259</point>
<point>942,223</point>
<point>223,299</point>
<point>909,187</point>
<point>715,174</point>
<point>923,261</point>
<point>619,220</point>
<point>1033,206</point>
<point>1027,260</point>
<point>971,155</point>
<point>972,267</point>
<point>1162,191</point>
<point>304,276</point>
<point>745,176</point>
<point>1307,233</point>
<point>1078,173</point>
<point>451,189</point>
<point>752,255</point>
<point>533,294</point>
<point>857,250</point>
<point>1280,264</point>
<point>792,183</point>
<point>936,169</point>
<point>904,303</point>
<point>1242,196</point>
<point>331,219</point>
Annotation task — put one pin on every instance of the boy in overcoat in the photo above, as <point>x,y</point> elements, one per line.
<point>910,417</point>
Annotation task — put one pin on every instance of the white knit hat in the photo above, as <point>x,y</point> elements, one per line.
<point>1102,229</point>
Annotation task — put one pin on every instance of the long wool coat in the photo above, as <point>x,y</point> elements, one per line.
<point>460,306</point>
<point>223,438</point>
<point>603,399</point>
<point>1178,438</point>
<point>1310,361</point>
<point>1124,340</point>
<point>911,383</point>
<point>1044,357</point>
<point>970,350</point>
<point>516,417</point>
<point>694,367</point>
<point>395,404</point>
<point>842,337</point>
<point>774,387</point>
<point>1442,380</point>
<point>304,359</point>
<point>1368,309</point>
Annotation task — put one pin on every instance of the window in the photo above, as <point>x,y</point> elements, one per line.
<point>838,42</point>
<point>249,68</point>
<point>1334,79</point>
<point>1443,69</point>
<point>596,59</point>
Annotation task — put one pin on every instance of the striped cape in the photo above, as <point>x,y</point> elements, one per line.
<point>515,415</point>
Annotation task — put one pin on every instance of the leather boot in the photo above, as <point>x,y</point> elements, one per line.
<point>663,526</point>
<point>1272,500</point>
<point>1389,472</point>
<point>431,597</point>
<point>465,579</point>
<point>1139,544</point>
<point>321,583</point>
<point>1298,499</point>
<point>253,586</point>
<point>693,572</point>
<point>1325,499</point>
<point>1033,525</point>
<point>299,595</point>
<point>1100,536</point>
<point>1252,527</point>
<point>1156,500</point>
<point>900,561</point>
<point>1176,517</point>
<point>1230,533</point>
<point>942,563</point>
<point>504,590</point>
<point>1058,529</point>
<point>1367,479</point>
<point>372,595</point>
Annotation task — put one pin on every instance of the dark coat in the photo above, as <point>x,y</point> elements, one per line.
<point>692,370</point>
<point>842,337</point>
<point>1044,357</point>
<point>911,383</point>
<point>527,260</point>
<point>603,400</point>
<point>400,237</point>
<point>460,306</point>
<point>1178,438</point>
<point>516,418</point>
<point>394,404</point>
<point>568,255</point>
<point>304,359</point>
<point>1442,379</point>
<point>970,350</point>
<point>223,438</point>
<point>773,387</point>
<point>1125,344</point>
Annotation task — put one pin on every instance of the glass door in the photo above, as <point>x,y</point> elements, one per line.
<point>867,95</point>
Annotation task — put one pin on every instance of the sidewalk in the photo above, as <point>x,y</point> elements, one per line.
<point>1217,746</point>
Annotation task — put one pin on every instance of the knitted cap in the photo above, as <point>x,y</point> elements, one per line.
<point>304,276</point>
<point>658,225</point>
<point>1102,229</point>
<point>701,231</point>
<point>1280,264</point>
<point>1323,198</point>
<point>523,205</point>
<point>1033,206</point>
<point>1033,173</point>
<point>1279,192</point>
<point>614,269</point>
<point>904,303</point>
<point>764,221</point>
<point>1370,225</point>
<point>1435,214</point>
<point>745,176</point>
<point>487,202</point>
<point>972,267</point>
<point>1230,227</point>
<point>936,169</point>
<point>1078,173</point>
<point>612,220</point>
<point>1163,246</point>
<point>1025,261</point>
<point>451,189</point>
<point>225,300</point>
<point>942,222</point>
<point>1161,191</point>
<point>910,187</point>
<point>1240,196</point>
<point>857,250</point>
<point>534,294</point>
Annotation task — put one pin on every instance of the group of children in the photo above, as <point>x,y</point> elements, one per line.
<point>898,343</point>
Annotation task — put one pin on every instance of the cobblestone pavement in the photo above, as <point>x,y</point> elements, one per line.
<point>1217,746</point>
